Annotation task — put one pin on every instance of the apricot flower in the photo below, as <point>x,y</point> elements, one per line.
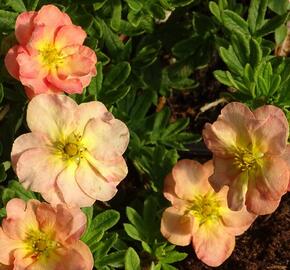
<point>37,236</point>
<point>199,215</point>
<point>74,152</point>
<point>249,151</point>
<point>50,56</point>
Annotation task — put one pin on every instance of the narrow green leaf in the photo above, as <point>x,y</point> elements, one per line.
<point>280,7</point>
<point>16,5</point>
<point>256,14</point>
<point>116,15</point>
<point>7,20</point>
<point>256,53</point>
<point>234,22</point>
<point>214,9</point>
<point>135,5</point>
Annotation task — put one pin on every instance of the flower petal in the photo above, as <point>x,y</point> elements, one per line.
<point>191,178</point>
<point>225,172</point>
<point>25,142</point>
<point>52,16</point>
<point>57,115</point>
<point>286,158</point>
<point>267,186</point>
<point>69,35</point>
<point>99,141</point>
<point>93,184</point>
<point>71,192</point>
<point>24,26</point>
<point>176,227</point>
<point>37,169</point>
<point>11,62</point>
<point>88,111</point>
<point>229,130</point>
<point>212,244</point>
<point>20,218</point>
<point>272,133</point>
<point>237,192</point>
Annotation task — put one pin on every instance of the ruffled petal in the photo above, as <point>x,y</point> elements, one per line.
<point>11,62</point>
<point>191,178</point>
<point>37,169</point>
<point>57,115</point>
<point>24,26</point>
<point>271,135</point>
<point>212,244</point>
<point>50,15</point>
<point>93,184</point>
<point>176,227</point>
<point>70,35</point>
<point>99,141</point>
<point>71,192</point>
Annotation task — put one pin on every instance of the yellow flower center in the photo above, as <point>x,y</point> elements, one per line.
<point>70,148</point>
<point>40,244</point>
<point>246,159</point>
<point>205,208</point>
<point>50,56</point>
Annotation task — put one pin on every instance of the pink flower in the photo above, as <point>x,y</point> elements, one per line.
<point>50,56</point>
<point>37,236</point>
<point>74,152</point>
<point>248,152</point>
<point>199,215</point>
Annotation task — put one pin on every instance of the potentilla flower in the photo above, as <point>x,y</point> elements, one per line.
<point>37,236</point>
<point>74,152</point>
<point>249,153</point>
<point>50,56</point>
<point>200,215</point>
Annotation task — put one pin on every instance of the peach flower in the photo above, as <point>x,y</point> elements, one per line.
<point>248,152</point>
<point>50,56</point>
<point>199,215</point>
<point>74,152</point>
<point>37,236</point>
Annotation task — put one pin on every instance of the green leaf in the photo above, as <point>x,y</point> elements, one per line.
<point>114,259</point>
<point>132,261</point>
<point>7,20</point>
<point>117,75</point>
<point>257,13</point>
<point>106,220</point>
<point>116,15</point>
<point>231,60</point>
<point>215,10</point>
<point>135,218</point>
<point>133,232</point>
<point>135,5</point>
<point>234,22</point>
<point>256,53</point>
<point>280,7</point>
<point>16,5</point>
<point>32,4</point>
<point>271,25</point>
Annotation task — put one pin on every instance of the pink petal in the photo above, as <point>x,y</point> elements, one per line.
<point>52,16</point>
<point>29,67</point>
<point>10,60</point>
<point>99,141</point>
<point>176,227</point>
<point>212,244</point>
<point>37,169</point>
<point>24,26</point>
<point>229,130</point>
<point>46,216</point>
<point>191,178</point>
<point>89,110</point>
<point>71,192</point>
<point>225,172</point>
<point>70,35</point>
<point>70,223</point>
<point>113,171</point>
<point>286,158</point>
<point>237,191</point>
<point>71,86</point>
<point>76,66</point>
<point>57,115</point>
<point>237,222</point>
<point>25,142</point>
<point>20,218</point>
<point>268,186</point>
<point>272,132</point>
<point>93,184</point>
<point>7,247</point>
<point>78,257</point>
